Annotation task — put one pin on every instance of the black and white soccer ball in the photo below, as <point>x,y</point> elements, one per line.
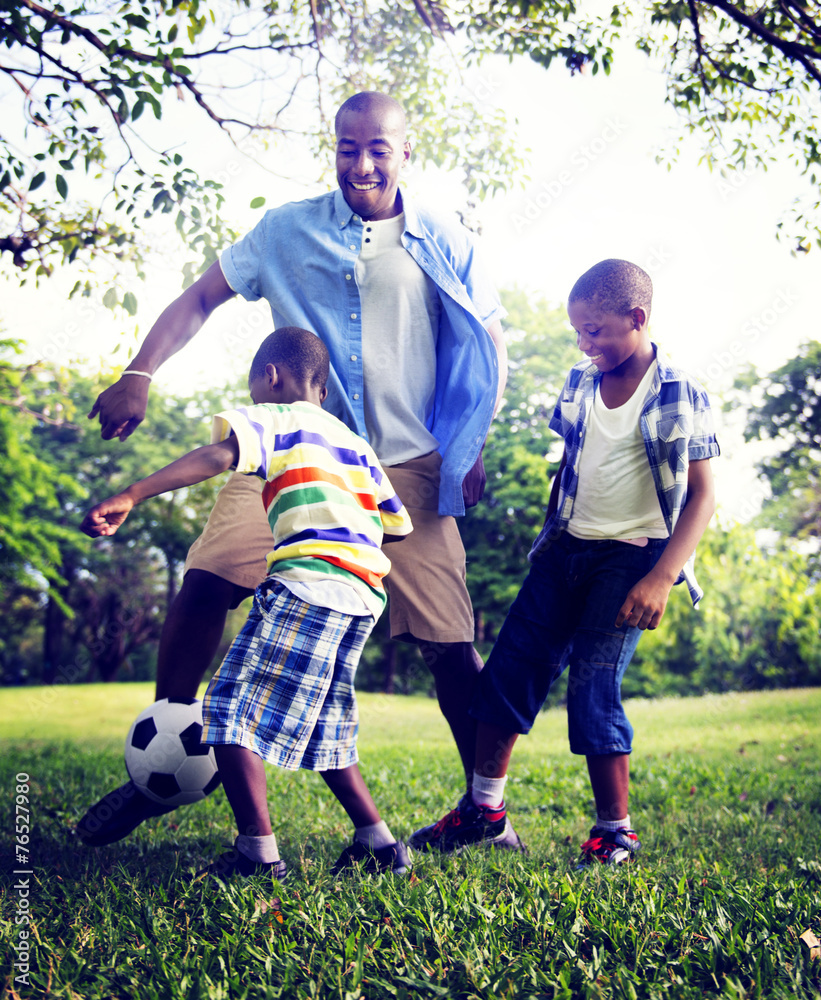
<point>164,756</point>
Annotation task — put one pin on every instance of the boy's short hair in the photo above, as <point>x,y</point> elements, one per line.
<point>615,286</point>
<point>298,350</point>
<point>367,99</point>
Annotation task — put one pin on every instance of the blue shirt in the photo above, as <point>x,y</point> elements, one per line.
<point>676,426</point>
<point>301,258</point>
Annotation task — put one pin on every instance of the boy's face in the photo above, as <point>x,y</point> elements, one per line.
<point>607,339</point>
<point>370,152</point>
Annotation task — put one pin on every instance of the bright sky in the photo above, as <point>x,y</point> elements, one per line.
<point>726,291</point>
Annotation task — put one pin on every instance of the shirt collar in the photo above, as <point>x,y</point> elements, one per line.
<point>344,214</point>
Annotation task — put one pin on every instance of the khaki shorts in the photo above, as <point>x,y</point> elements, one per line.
<point>428,595</point>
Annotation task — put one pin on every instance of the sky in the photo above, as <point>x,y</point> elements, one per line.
<point>727,293</point>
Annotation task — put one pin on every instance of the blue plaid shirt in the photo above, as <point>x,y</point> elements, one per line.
<point>677,427</point>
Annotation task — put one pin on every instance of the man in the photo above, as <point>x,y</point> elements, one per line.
<point>417,367</point>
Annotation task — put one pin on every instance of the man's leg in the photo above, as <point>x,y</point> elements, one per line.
<point>190,637</point>
<point>192,632</point>
<point>455,668</point>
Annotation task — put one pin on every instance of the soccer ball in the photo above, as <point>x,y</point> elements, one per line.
<point>164,756</point>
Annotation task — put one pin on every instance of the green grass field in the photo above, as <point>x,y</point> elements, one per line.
<point>726,798</point>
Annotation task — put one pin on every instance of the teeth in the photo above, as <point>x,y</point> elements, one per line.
<point>363,187</point>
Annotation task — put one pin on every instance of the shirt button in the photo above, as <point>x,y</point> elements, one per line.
<point>353,357</point>
<point>367,239</point>
<point>356,395</point>
<point>353,246</point>
<point>353,315</point>
<point>347,277</point>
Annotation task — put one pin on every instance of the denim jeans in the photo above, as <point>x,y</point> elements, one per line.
<point>564,618</point>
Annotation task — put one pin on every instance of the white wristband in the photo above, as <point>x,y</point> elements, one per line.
<point>132,372</point>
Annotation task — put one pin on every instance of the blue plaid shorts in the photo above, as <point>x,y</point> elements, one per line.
<point>285,688</point>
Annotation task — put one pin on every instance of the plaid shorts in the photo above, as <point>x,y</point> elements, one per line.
<point>285,688</point>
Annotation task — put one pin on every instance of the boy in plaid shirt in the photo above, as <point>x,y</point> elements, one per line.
<point>631,500</point>
<point>284,693</point>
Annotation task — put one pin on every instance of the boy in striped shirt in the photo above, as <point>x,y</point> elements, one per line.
<point>284,693</point>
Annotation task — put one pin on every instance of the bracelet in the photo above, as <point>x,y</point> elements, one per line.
<point>131,371</point>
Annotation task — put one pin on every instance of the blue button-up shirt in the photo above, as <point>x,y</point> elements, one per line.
<point>301,258</point>
<point>677,428</point>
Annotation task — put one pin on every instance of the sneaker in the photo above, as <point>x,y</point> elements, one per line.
<point>395,858</point>
<point>234,862</point>
<point>466,825</point>
<point>610,847</point>
<point>116,815</point>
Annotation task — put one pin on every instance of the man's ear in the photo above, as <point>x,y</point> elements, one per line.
<point>272,374</point>
<point>407,151</point>
<point>639,317</point>
<point>323,394</point>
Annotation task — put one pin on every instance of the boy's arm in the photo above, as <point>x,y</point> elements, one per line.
<point>121,407</point>
<point>195,467</point>
<point>645,604</point>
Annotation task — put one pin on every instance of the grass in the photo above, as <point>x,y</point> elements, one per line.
<point>726,797</point>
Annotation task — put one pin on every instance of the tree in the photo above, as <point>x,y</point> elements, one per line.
<point>746,78</point>
<point>95,80</point>
<point>98,605</point>
<point>784,406</point>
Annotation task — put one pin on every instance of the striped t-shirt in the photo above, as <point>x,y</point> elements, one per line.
<point>329,501</point>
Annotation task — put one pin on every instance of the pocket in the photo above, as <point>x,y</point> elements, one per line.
<point>675,428</point>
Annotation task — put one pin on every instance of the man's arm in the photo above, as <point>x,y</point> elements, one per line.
<point>121,407</point>
<point>195,467</point>
<point>473,485</point>
<point>646,602</point>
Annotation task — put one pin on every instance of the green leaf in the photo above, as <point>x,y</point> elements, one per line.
<point>61,185</point>
<point>110,298</point>
<point>130,303</point>
<point>257,202</point>
<point>37,180</point>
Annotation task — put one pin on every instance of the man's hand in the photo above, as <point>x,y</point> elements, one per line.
<point>644,606</point>
<point>473,485</point>
<point>106,517</point>
<point>121,407</point>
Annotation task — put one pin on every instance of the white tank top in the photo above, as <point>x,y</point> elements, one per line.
<point>400,325</point>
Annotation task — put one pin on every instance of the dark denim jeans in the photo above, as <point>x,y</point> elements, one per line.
<point>564,618</point>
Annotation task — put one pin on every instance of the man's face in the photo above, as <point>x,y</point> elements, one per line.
<point>370,151</point>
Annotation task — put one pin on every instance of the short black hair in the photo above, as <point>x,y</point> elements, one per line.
<point>367,99</point>
<point>298,350</point>
<point>614,286</point>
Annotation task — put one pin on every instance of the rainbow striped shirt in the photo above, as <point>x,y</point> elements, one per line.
<point>329,501</point>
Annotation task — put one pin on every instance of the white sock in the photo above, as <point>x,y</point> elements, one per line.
<point>263,849</point>
<point>375,836</point>
<point>487,791</point>
<point>613,824</point>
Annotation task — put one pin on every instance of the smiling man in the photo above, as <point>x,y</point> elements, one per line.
<point>412,326</point>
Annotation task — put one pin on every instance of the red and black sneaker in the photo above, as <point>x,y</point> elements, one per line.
<point>609,847</point>
<point>468,825</point>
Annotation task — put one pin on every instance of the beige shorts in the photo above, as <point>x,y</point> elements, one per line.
<point>429,600</point>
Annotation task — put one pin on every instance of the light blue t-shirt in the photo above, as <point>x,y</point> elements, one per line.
<point>301,258</point>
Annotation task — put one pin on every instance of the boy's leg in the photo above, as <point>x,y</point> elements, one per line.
<point>598,725</point>
<point>353,795</point>
<point>610,781</point>
<point>374,847</point>
<point>511,689</point>
<point>255,850</point>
